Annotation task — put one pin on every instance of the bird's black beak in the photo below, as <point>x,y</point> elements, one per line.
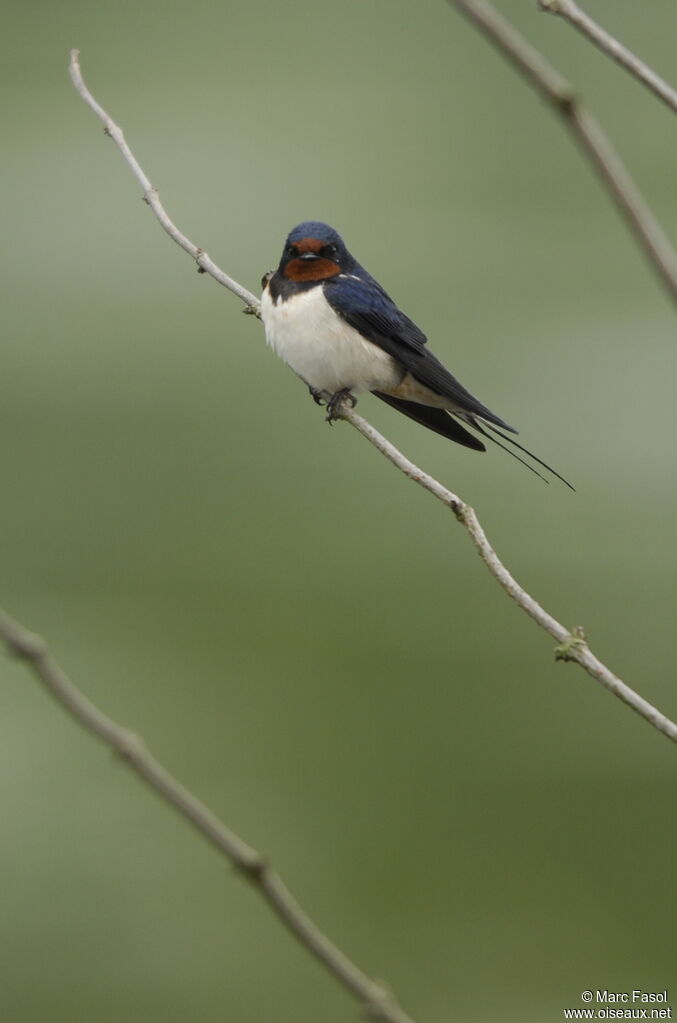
<point>309,255</point>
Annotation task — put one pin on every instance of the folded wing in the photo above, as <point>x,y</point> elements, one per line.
<point>366,307</point>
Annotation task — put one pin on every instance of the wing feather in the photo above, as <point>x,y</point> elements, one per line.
<point>368,309</point>
<point>436,419</point>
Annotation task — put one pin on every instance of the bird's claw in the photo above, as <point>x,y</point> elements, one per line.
<point>335,402</point>
<point>319,397</point>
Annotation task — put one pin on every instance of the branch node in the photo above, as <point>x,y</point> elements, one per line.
<point>459,510</point>
<point>380,1004</point>
<point>566,100</point>
<point>550,6</point>
<point>254,868</point>
<point>129,747</point>
<point>573,646</point>
<point>26,645</point>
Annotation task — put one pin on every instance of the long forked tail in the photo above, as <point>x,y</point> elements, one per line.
<point>445,422</point>
<point>480,427</point>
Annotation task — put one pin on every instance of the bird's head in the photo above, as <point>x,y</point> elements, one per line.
<point>314,252</point>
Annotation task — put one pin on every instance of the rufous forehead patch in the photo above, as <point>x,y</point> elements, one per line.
<point>310,245</point>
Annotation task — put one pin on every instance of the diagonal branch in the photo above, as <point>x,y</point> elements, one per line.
<point>151,195</point>
<point>572,13</point>
<point>377,1002</point>
<point>572,644</point>
<point>586,130</point>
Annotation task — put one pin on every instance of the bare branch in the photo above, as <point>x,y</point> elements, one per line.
<point>376,1001</point>
<point>572,13</point>
<point>586,130</point>
<point>572,644</point>
<point>152,197</point>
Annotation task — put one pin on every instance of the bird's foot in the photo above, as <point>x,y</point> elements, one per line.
<point>335,402</point>
<point>319,397</point>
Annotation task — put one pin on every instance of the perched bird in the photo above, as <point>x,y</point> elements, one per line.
<point>341,333</point>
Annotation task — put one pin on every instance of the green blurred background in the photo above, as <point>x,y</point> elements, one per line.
<point>308,641</point>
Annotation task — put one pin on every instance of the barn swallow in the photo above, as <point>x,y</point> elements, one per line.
<point>342,334</point>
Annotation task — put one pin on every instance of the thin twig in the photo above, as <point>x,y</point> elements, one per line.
<point>152,197</point>
<point>572,13</point>
<point>586,130</point>
<point>376,1001</point>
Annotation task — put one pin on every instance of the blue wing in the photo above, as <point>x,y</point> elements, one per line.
<point>366,307</point>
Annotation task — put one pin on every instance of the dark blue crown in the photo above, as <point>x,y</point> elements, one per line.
<point>315,229</point>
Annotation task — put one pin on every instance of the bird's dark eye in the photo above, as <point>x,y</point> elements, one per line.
<point>329,251</point>
<point>292,251</point>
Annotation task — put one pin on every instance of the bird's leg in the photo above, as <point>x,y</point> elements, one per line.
<point>335,402</point>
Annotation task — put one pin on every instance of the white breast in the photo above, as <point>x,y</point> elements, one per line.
<point>322,349</point>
